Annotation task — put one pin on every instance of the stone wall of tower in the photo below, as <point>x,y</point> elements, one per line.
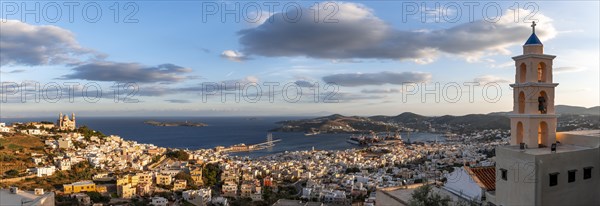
<point>531,63</point>
<point>529,95</point>
<point>530,131</point>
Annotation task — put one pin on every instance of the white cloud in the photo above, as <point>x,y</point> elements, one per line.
<point>233,55</point>
<point>482,80</point>
<point>560,70</point>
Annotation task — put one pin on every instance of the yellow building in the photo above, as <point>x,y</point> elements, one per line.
<point>196,174</point>
<point>129,179</point>
<point>101,188</point>
<point>144,189</point>
<point>83,186</point>
<point>144,178</point>
<point>126,191</point>
<point>179,185</point>
<point>163,179</point>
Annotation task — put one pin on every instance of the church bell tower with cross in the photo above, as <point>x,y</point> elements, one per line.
<point>533,121</point>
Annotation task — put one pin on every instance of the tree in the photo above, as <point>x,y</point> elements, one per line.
<point>423,196</point>
<point>88,133</point>
<point>96,197</point>
<point>185,176</point>
<point>179,155</point>
<point>11,173</point>
<point>210,174</point>
<point>473,202</point>
<point>352,170</point>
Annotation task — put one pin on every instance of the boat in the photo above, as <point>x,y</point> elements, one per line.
<point>364,140</point>
<point>312,132</point>
<point>353,140</point>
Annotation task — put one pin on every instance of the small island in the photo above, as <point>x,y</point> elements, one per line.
<point>175,124</point>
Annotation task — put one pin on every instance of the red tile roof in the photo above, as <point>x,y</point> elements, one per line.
<point>484,176</point>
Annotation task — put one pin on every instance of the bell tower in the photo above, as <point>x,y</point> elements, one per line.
<point>533,121</point>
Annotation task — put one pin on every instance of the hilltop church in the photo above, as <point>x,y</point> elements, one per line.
<point>541,166</point>
<point>64,123</point>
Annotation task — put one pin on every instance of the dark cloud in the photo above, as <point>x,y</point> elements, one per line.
<point>361,34</point>
<point>17,71</point>
<point>381,78</point>
<point>129,72</point>
<point>351,97</point>
<point>380,91</point>
<point>178,101</point>
<point>25,44</point>
<point>304,83</point>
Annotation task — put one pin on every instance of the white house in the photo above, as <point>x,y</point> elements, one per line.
<point>220,201</point>
<point>199,197</point>
<point>32,131</point>
<point>471,183</point>
<point>3,127</point>
<point>64,164</point>
<point>159,201</point>
<point>45,171</point>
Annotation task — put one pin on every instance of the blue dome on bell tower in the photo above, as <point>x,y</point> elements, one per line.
<point>533,39</point>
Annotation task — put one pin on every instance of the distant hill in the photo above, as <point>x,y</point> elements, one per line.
<point>566,109</point>
<point>570,118</point>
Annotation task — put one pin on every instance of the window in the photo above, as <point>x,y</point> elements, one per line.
<point>572,175</point>
<point>553,179</point>
<point>504,174</point>
<point>587,173</point>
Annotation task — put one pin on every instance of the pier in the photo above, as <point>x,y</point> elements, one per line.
<point>248,148</point>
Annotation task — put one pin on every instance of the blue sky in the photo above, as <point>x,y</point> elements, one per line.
<point>372,53</point>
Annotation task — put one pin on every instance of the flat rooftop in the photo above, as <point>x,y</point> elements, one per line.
<point>402,196</point>
<point>28,198</point>
<point>87,182</point>
<point>560,148</point>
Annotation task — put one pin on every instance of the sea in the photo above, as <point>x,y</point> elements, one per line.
<point>221,131</point>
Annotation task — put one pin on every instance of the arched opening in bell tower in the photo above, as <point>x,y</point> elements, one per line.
<point>543,102</point>
<point>519,133</point>
<point>521,105</point>
<point>542,134</point>
<point>522,73</point>
<point>541,77</point>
